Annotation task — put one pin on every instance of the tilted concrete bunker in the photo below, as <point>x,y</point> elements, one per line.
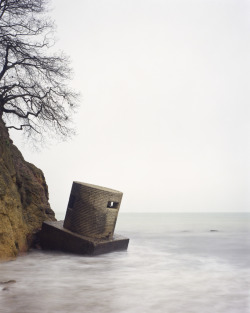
<point>89,223</point>
<point>92,210</point>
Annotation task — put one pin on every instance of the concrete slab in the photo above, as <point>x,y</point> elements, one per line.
<point>55,237</point>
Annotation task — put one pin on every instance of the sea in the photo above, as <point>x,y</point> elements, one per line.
<point>175,263</point>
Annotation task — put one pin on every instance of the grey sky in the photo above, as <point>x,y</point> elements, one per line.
<point>164,113</point>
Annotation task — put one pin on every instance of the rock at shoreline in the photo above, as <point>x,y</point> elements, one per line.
<point>12,281</point>
<point>23,199</point>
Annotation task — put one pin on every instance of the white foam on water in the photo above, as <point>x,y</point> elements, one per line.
<point>176,272</point>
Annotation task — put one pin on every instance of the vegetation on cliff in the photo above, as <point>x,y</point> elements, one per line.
<point>34,98</point>
<point>23,199</point>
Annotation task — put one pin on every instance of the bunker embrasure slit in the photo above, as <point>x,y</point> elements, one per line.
<point>112,205</point>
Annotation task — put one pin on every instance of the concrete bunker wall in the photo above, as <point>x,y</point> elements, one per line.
<point>92,210</point>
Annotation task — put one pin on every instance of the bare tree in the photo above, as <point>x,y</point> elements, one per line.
<point>34,96</point>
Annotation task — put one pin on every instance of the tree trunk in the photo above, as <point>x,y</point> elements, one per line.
<point>23,199</point>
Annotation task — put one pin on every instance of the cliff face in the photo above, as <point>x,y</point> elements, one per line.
<point>23,199</point>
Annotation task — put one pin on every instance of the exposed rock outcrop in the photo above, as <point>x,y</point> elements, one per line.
<point>23,199</point>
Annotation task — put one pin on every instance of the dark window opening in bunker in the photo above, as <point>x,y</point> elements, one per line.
<point>112,204</point>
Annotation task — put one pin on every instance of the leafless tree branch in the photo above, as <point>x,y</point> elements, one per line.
<point>33,82</point>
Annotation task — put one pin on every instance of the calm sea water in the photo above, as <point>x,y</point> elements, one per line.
<point>174,264</point>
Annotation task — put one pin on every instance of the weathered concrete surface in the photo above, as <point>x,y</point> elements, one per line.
<point>55,237</point>
<point>92,210</point>
<point>23,199</point>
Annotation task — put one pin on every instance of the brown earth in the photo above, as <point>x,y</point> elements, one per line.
<point>23,199</point>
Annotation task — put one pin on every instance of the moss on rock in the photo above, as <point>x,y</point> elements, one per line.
<point>23,199</point>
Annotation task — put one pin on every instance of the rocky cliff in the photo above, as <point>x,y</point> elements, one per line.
<point>23,199</point>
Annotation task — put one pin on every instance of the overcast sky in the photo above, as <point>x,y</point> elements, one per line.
<point>164,113</point>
